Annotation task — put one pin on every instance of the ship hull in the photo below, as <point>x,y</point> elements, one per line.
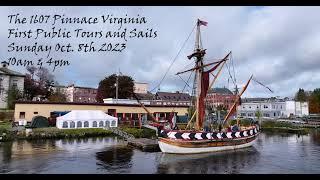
<point>217,142</point>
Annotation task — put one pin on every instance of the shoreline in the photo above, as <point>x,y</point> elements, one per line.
<point>303,131</point>
<point>55,133</point>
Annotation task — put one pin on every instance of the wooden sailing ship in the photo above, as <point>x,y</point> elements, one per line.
<point>198,140</point>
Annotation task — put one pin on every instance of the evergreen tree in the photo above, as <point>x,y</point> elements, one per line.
<point>301,95</point>
<point>107,87</point>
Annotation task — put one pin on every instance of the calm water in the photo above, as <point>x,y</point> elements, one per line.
<point>272,153</point>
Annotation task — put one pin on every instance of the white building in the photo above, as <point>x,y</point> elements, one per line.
<point>9,79</point>
<point>86,119</point>
<point>141,88</point>
<point>272,108</point>
<point>294,108</point>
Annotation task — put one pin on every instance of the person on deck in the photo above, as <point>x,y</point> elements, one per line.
<point>229,129</point>
<point>220,127</point>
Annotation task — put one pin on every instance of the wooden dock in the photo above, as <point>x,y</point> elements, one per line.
<point>144,144</point>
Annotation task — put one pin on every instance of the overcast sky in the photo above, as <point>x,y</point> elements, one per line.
<point>278,45</point>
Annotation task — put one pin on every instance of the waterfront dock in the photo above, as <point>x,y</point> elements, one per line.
<point>144,144</point>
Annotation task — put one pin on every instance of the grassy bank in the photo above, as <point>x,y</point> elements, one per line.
<point>5,133</point>
<point>140,133</point>
<point>286,127</point>
<point>55,133</point>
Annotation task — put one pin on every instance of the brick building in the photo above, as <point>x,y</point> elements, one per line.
<point>220,96</point>
<point>79,94</point>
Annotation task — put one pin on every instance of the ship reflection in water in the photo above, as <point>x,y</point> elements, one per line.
<point>115,158</point>
<point>215,162</point>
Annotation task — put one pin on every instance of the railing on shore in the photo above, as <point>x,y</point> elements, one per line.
<point>120,132</point>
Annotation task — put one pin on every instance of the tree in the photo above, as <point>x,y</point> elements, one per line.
<point>14,94</point>
<point>107,87</point>
<point>38,81</point>
<point>314,101</point>
<point>258,114</point>
<point>30,87</point>
<point>301,95</point>
<point>58,96</point>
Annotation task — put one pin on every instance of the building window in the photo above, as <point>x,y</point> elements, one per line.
<point>86,124</point>
<point>15,83</point>
<point>79,124</point>
<point>101,124</point>
<point>281,107</point>
<point>65,124</point>
<point>72,124</point>
<point>266,115</point>
<point>94,124</point>
<point>113,123</point>
<point>22,115</point>
<point>107,124</point>
<point>35,112</point>
<point>274,114</point>
<point>243,114</point>
<point>112,112</point>
<point>249,107</point>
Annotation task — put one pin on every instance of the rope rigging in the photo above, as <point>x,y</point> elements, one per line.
<point>185,42</point>
<point>186,82</point>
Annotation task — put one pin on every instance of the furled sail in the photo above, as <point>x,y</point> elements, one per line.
<point>234,106</point>
<point>203,93</point>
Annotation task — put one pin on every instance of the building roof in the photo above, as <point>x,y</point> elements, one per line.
<point>135,82</point>
<point>85,87</point>
<point>87,115</point>
<point>145,96</point>
<point>220,91</point>
<point>4,70</point>
<point>62,86</point>
<point>272,99</point>
<point>177,96</point>
<point>95,104</point>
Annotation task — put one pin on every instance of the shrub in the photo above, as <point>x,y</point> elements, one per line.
<point>53,132</point>
<point>243,122</point>
<point>139,133</point>
<point>270,124</point>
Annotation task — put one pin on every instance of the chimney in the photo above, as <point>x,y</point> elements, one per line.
<point>5,64</point>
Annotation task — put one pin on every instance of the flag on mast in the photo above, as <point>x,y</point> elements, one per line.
<point>202,22</point>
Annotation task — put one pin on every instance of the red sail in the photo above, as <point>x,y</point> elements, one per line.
<point>203,93</point>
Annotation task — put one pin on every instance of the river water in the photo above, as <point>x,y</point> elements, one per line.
<point>271,153</point>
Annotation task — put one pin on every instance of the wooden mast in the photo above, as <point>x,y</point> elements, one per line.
<point>199,56</point>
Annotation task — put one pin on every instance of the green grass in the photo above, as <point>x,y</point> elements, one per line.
<point>5,125</point>
<point>286,130</point>
<point>140,133</point>
<point>272,124</point>
<point>55,133</point>
<point>5,132</point>
<point>286,127</point>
